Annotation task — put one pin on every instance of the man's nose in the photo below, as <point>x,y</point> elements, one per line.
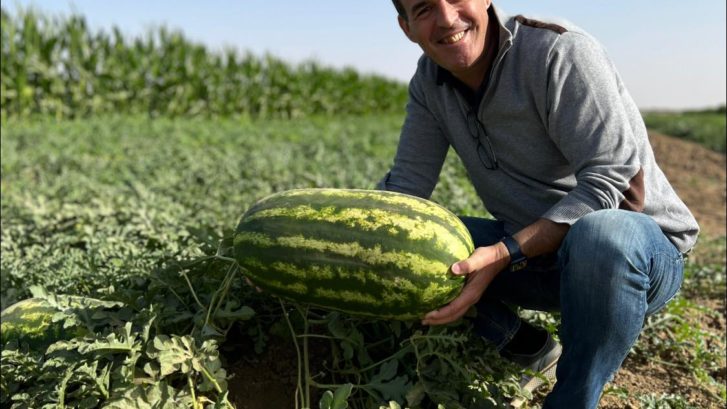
<point>447,14</point>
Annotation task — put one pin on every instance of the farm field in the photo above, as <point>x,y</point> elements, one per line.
<point>706,127</point>
<point>112,207</point>
<point>125,165</point>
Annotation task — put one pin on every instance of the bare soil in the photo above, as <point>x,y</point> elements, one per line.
<point>265,381</point>
<point>698,176</point>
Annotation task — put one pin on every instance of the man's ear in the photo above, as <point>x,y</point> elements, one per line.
<point>405,27</point>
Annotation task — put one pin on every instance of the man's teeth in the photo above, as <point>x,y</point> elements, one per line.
<point>453,39</point>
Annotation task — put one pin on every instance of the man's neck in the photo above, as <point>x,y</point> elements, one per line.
<point>476,78</point>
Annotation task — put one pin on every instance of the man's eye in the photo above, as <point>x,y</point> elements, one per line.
<point>423,11</point>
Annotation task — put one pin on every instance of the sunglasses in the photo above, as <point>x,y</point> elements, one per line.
<point>484,150</point>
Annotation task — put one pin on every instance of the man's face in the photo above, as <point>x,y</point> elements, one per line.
<point>450,32</point>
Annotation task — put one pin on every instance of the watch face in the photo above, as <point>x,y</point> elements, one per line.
<point>518,264</point>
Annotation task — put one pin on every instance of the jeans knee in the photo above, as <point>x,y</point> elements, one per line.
<point>605,233</point>
<point>603,240</point>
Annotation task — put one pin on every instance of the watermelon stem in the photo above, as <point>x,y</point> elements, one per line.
<point>191,289</point>
<point>317,336</point>
<point>216,301</point>
<point>304,378</point>
<point>190,382</point>
<point>395,355</point>
<point>211,378</point>
<point>223,258</point>
<point>299,388</point>
<point>306,361</point>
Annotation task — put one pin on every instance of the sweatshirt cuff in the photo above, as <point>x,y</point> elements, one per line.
<point>570,209</point>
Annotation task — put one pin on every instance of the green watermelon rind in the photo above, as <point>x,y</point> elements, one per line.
<point>370,253</point>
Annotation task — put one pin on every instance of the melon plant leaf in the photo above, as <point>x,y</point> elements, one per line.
<point>242,314</point>
<point>337,399</point>
<point>209,331</point>
<point>394,389</point>
<point>173,354</point>
<point>387,371</point>
<point>326,401</point>
<point>416,394</point>
<point>157,396</point>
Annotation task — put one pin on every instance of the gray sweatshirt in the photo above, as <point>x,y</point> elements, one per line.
<point>567,136</point>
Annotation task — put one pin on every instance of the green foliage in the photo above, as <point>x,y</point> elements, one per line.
<point>125,362</point>
<point>708,278</point>
<point>58,66</point>
<point>664,401</point>
<point>97,204</point>
<point>392,362</point>
<point>675,338</point>
<point>337,399</point>
<point>136,212</point>
<point>706,127</point>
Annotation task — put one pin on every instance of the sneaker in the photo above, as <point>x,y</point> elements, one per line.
<point>543,363</point>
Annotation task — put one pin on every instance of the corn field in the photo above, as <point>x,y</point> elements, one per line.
<point>56,66</point>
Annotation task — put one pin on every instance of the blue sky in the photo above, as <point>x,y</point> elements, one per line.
<point>671,54</point>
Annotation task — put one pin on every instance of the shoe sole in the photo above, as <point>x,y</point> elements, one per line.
<point>532,384</point>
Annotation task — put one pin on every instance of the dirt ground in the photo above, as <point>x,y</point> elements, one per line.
<point>698,176</point>
<point>644,377</point>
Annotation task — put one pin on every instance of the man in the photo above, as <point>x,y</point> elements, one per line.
<point>586,222</point>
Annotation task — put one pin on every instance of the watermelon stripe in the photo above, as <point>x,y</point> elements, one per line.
<point>390,202</point>
<point>327,297</point>
<point>397,202</point>
<point>330,274</point>
<point>388,237</point>
<point>342,274</point>
<point>355,302</point>
<point>371,220</point>
<point>411,262</point>
<point>330,285</point>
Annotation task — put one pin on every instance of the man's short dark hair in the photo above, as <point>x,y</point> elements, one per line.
<point>400,9</point>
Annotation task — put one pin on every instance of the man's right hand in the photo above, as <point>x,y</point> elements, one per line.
<point>481,268</point>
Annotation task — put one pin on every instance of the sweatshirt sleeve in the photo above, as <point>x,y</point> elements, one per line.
<point>421,151</point>
<point>589,123</point>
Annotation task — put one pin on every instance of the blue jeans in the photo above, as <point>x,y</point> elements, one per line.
<point>613,269</point>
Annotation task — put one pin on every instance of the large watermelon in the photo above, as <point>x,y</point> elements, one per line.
<point>372,253</point>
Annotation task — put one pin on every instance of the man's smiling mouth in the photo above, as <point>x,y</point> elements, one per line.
<point>453,38</point>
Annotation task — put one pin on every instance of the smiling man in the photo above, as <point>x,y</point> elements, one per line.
<point>459,39</point>
<point>585,221</point>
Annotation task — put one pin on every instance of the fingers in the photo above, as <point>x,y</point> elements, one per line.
<point>449,313</point>
<point>479,259</point>
<point>456,309</point>
<point>481,266</point>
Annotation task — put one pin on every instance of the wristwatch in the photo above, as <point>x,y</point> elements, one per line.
<point>518,260</point>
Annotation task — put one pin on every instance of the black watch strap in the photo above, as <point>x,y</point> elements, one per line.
<point>517,258</point>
